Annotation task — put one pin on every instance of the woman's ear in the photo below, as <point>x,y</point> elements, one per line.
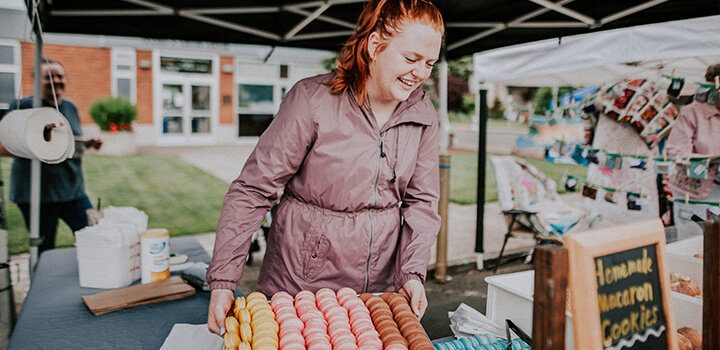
<point>373,45</point>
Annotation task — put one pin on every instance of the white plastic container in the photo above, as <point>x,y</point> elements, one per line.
<point>680,255</point>
<point>681,258</point>
<point>155,255</point>
<point>106,267</point>
<point>510,296</point>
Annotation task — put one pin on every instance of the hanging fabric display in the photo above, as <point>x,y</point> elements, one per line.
<point>644,106</point>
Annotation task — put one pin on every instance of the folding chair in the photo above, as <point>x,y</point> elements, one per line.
<point>531,205</point>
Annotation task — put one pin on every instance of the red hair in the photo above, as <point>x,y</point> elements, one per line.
<point>386,17</point>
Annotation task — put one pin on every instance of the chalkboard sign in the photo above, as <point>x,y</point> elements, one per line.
<point>621,288</point>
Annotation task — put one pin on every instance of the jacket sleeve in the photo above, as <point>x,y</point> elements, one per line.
<point>421,221</point>
<point>682,137</point>
<point>277,156</point>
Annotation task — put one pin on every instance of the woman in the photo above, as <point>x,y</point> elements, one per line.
<point>696,132</point>
<point>356,151</point>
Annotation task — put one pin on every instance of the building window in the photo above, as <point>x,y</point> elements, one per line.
<point>9,73</point>
<point>260,89</point>
<point>185,65</point>
<point>124,74</point>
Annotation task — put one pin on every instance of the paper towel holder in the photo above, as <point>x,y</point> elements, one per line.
<point>47,132</point>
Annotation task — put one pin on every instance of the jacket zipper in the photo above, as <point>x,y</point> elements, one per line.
<point>372,229</point>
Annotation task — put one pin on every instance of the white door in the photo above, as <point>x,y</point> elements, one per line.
<point>187,107</point>
<point>187,115</point>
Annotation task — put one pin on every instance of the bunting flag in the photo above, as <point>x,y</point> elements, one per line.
<point>699,168</point>
<point>571,183</point>
<point>589,191</point>
<point>634,201</point>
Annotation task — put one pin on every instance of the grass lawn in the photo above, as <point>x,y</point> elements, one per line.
<point>181,198</point>
<point>185,200</point>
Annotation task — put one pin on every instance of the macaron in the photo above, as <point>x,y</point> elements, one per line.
<point>319,346</point>
<point>371,344</point>
<point>281,295</point>
<point>360,327</point>
<point>305,294</point>
<point>352,303</point>
<point>310,314</point>
<point>386,296</point>
<point>344,293</point>
<point>327,303</point>
<point>317,322</point>
<point>291,337</point>
<point>258,295</point>
<point>382,318</point>
<point>395,346</point>
<point>365,296</point>
<point>325,291</point>
<point>291,322</point>
<point>367,335</point>
<point>343,338</point>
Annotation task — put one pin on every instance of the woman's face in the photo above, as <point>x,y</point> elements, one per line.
<point>404,64</point>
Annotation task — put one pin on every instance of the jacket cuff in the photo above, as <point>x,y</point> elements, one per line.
<point>222,285</point>
<point>401,280</point>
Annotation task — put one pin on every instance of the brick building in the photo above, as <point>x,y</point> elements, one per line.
<point>186,93</point>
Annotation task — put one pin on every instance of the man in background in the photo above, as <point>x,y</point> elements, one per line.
<point>62,191</point>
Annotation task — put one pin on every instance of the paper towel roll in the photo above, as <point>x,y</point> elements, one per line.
<point>23,133</point>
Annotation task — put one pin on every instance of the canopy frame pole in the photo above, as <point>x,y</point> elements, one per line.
<point>482,155</point>
<point>34,237</point>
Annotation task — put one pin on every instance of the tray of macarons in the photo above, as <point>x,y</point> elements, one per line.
<point>325,320</point>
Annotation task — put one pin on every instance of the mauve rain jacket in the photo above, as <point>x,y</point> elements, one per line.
<point>359,205</point>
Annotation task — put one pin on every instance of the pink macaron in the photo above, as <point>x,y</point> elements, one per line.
<point>292,346</point>
<point>317,323</point>
<point>281,295</point>
<point>292,322</point>
<point>304,294</point>
<point>325,291</point>
<point>345,345</point>
<point>314,335</point>
<point>367,335</point>
<point>320,346</point>
<point>311,314</point>
<point>351,303</point>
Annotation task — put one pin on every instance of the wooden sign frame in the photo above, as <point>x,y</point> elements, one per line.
<point>584,248</point>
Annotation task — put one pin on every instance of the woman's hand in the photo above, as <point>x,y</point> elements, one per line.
<point>414,291</point>
<point>221,301</point>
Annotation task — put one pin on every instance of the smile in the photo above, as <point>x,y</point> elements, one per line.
<point>406,82</point>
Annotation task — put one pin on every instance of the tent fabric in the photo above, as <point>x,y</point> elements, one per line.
<point>472,25</point>
<point>686,47</point>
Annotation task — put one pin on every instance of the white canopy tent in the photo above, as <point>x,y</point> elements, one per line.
<point>688,47</point>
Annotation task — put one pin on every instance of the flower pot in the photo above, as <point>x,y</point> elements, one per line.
<point>118,144</point>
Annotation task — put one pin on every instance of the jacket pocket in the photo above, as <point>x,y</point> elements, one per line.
<point>315,248</point>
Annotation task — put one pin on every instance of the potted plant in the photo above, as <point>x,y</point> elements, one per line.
<point>114,116</point>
